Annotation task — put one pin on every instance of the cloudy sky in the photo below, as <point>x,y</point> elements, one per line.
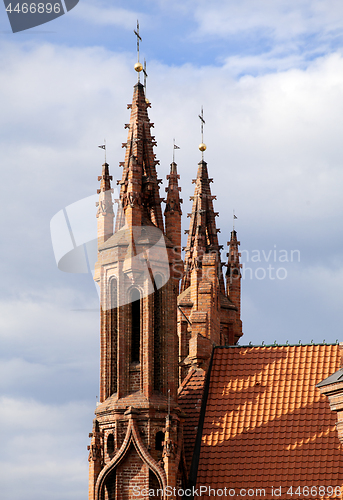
<point>269,74</point>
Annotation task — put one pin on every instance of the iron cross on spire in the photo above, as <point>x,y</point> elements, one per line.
<point>138,65</point>
<point>202,123</point>
<point>202,146</point>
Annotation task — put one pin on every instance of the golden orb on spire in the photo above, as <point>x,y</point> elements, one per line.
<point>202,147</point>
<point>138,67</point>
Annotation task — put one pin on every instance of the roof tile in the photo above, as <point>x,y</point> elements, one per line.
<point>264,415</point>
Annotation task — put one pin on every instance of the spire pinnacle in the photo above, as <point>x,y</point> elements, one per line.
<point>173,198</point>
<point>105,213</point>
<point>139,193</point>
<point>202,233</point>
<point>233,273</point>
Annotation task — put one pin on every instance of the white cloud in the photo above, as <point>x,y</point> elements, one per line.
<point>281,19</point>
<point>105,14</point>
<point>45,446</point>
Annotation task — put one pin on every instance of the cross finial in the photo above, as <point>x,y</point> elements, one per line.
<point>138,66</point>
<point>202,146</point>
<point>202,123</point>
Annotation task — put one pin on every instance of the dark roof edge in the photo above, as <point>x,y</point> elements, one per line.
<point>273,345</point>
<point>332,379</point>
<point>193,473</point>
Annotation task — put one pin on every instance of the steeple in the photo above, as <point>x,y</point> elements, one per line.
<point>131,447</point>
<point>140,201</point>
<point>173,212</point>
<point>233,273</point>
<point>105,213</point>
<point>202,233</point>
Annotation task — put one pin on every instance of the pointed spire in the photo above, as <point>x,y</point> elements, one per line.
<point>173,212</point>
<point>139,194</point>
<point>202,234</point>
<point>105,213</point>
<point>233,273</point>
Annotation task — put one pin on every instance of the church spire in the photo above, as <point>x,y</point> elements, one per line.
<point>202,233</point>
<point>233,273</point>
<point>173,212</point>
<point>105,213</point>
<point>140,201</point>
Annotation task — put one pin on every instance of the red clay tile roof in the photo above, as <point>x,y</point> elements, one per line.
<point>266,424</point>
<point>190,395</point>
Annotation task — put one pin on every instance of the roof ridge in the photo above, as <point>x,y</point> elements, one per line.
<point>274,345</point>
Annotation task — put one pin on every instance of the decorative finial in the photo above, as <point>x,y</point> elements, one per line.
<point>103,146</point>
<point>174,147</point>
<point>138,66</point>
<point>202,146</point>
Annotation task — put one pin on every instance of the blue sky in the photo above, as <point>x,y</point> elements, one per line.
<point>270,77</point>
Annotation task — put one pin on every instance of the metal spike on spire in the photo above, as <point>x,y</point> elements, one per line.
<point>145,75</point>
<point>145,78</point>
<point>202,146</point>
<point>168,404</point>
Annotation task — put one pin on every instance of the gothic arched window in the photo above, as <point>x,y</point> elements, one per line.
<point>110,444</point>
<point>135,325</point>
<point>114,335</point>
<point>158,333</point>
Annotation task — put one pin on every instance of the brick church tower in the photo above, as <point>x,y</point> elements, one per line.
<point>181,404</point>
<point>136,441</point>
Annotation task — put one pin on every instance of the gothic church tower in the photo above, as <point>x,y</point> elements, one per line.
<point>136,440</point>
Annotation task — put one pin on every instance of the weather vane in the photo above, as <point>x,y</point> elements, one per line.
<point>202,146</point>
<point>103,146</point>
<point>233,219</point>
<point>138,66</point>
<point>174,147</point>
